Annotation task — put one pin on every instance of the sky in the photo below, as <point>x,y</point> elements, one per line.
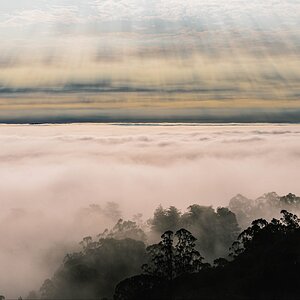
<point>136,60</point>
<point>60,183</point>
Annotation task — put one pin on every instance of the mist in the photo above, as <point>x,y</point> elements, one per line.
<point>52,174</point>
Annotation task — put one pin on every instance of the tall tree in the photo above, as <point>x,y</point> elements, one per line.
<point>187,258</point>
<point>169,260</point>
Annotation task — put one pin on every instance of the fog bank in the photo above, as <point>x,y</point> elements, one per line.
<point>51,174</point>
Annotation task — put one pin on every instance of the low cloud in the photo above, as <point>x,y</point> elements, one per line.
<point>60,183</point>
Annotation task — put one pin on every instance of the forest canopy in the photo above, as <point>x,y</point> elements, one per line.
<point>203,251</point>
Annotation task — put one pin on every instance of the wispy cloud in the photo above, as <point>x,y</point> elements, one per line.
<point>51,15</point>
<point>189,54</point>
<point>211,13</point>
<point>216,11</point>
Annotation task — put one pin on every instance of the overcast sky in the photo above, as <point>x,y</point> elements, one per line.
<point>79,56</point>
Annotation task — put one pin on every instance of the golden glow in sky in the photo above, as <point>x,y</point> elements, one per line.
<point>134,60</point>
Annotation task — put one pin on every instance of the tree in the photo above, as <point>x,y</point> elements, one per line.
<point>215,230</point>
<point>165,219</point>
<point>187,258</point>
<point>290,200</point>
<point>262,232</point>
<point>125,229</point>
<point>266,206</point>
<point>88,244</point>
<point>265,265</point>
<point>137,287</point>
<point>168,261</point>
<point>161,257</point>
<point>95,271</point>
<point>291,221</point>
<point>220,262</point>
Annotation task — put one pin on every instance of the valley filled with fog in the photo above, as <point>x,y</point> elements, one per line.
<point>60,183</point>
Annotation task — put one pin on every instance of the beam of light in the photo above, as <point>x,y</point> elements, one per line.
<point>117,55</point>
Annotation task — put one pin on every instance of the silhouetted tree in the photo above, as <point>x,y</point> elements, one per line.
<point>161,257</point>
<point>261,232</point>
<point>168,260</point>
<point>137,287</point>
<point>220,262</point>
<point>290,221</point>
<point>187,258</point>
<point>265,266</point>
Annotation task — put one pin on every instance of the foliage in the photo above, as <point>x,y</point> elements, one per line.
<point>263,232</point>
<point>165,219</point>
<point>267,207</point>
<point>169,260</point>
<point>265,265</point>
<point>215,230</point>
<point>137,287</point>
<point>94,272</point>
<point>220,262</point>
<point>125,229</point>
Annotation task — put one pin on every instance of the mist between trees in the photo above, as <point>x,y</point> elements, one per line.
<point>204,242</point>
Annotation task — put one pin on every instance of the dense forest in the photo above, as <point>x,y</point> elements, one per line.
<point>264,264</point>
<point>248,250</point>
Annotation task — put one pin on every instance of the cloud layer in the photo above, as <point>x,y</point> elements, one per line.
<point>50,175</point>
<point>226,53</point>
<point>213,13</point>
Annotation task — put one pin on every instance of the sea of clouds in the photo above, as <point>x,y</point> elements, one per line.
<point>51,174</point>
